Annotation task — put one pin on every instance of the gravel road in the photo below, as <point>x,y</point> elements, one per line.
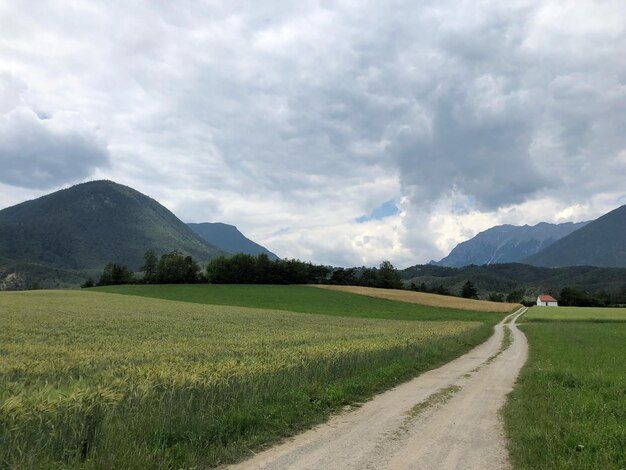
<point>447,418</point>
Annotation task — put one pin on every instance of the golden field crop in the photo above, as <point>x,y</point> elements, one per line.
<point>424,298</point>
<point>91,379</point>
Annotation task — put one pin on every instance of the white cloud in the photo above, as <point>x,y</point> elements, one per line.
<point>304,116</point>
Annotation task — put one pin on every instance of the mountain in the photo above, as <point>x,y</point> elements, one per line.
<point>600,243</point>
<point>80,229</point>
<point>507,244</point>
<point>229,238</point>
<point>509,277</point>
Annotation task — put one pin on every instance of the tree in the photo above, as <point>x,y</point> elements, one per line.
<point>218,271</point>
<point>388,277</point>
<point>149,267</point>
<point>318,273</point>
<point>114,274</point>
<point>496,297</point>
<point>343,276</point>
<point>441,290</point>
<point>174,268</point>
<point>515,297</point>
<point>369,278</point>
<point>243,267</point>
<point>264,270</point>
<point>571,297</point>
<point>469,291</point>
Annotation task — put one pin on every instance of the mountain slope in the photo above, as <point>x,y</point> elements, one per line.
<point>533,280</point>
<point>229,238</point>
<point>87,225</point>
<point>600,243</point>
<point>507,244</point>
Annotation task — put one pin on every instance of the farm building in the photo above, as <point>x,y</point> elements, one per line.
<point>546,300</point>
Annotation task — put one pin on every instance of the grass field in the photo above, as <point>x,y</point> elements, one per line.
<point>568,409</point>
<point>592,314</point>
<point>300,299</point>
<point>95,380</point>
<point>424,298</point>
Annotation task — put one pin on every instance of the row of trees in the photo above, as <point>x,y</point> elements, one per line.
<point>384,277</point>
<point>468,290</point>
<point>571,297</point>
<point>175,268</point>
<point>170,268</point>
<point>247,269</point>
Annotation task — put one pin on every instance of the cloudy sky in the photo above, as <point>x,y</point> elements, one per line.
<point>341,132</point>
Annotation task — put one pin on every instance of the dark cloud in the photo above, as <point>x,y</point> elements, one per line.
<point>485,157</point>
<point>45,153</point>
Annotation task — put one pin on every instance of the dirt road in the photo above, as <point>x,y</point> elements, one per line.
<point>446,418</point>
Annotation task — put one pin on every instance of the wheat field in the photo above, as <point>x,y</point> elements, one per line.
<point>98,380</point>
<point>423,298</point>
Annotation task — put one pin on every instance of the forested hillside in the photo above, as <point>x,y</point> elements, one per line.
<point>78,230</point>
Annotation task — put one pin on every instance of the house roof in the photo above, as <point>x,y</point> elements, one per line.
<point>546,298</point>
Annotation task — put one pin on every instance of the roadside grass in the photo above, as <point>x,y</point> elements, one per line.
<point>568,408</point>
<point>304,299</point>
<point>593,314</point>
<point>424,298</point>
<point>95,380</point>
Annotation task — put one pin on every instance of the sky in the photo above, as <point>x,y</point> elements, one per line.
<point>338,132</point>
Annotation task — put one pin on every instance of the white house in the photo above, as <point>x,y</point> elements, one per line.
<point>546,300</point>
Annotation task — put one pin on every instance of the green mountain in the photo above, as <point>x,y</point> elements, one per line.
<point>599,243</point>
<point>76,231</point>
<point>229,238</point>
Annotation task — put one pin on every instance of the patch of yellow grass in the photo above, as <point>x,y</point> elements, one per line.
<point>431,300</point>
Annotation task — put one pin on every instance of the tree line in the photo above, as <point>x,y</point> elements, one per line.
<point>170,268</point>
<point>176,268</point>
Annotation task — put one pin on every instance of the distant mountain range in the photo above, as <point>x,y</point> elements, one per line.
<point>599,243</point>
<point>507,244</point>
<point>59,239</point>
<point>229,238</point>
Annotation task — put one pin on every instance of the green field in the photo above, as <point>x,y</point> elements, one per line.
<point>594,314</point>
<point>95,380</point>
<point>299,299</point>
<point>568,409</point>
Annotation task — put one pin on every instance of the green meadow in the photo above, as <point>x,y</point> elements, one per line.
<point>588,314</point>
<point>96,380</point>
<point>568,408</point>
<point>299,299</point>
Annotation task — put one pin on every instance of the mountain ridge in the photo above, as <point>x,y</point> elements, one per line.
<point>599,243</point>
<point>507,244</point>
<point>229,238</point>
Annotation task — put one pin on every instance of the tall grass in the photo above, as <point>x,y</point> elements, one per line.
<point>94,380</point>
